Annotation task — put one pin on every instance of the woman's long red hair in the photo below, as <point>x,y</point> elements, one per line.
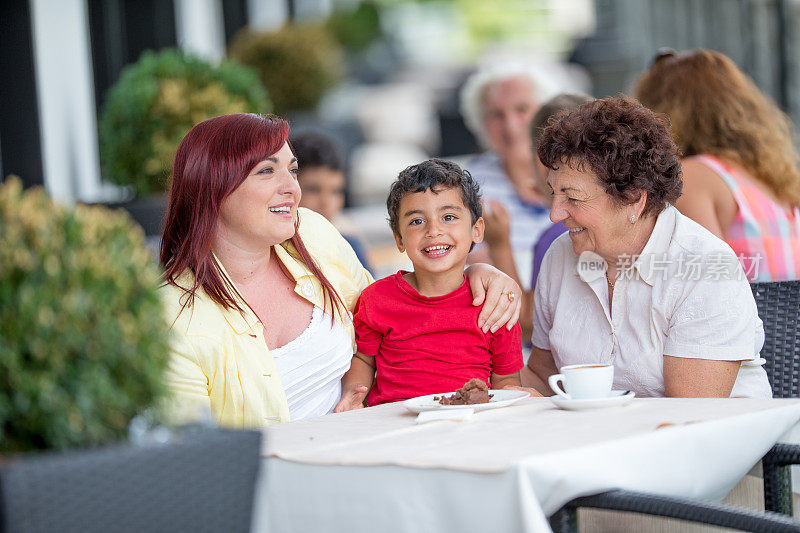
<point>212,160</point>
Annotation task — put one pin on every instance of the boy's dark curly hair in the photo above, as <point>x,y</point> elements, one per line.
<point>628,147</point>
<point>436,175</point>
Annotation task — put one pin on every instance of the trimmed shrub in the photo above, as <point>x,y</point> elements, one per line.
<point>83,339</point>
<point>156,102</point>
<point>356,27</point>
<point>297,64</point>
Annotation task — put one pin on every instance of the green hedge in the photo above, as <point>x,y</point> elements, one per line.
<point>83,339</point>
<point>356,27</point>
<point>297,64</point>
<point>156,102</point>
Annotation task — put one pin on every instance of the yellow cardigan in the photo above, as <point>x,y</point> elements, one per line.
<point>219,359</point>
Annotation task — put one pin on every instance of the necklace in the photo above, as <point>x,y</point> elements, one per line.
<point>610,283</point>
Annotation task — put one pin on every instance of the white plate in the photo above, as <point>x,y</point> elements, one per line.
<point>501,398</point>
<point>618,397</point>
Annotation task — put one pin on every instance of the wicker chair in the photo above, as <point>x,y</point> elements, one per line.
<point>779,308</point>
<point>566,519</point>
<point>204,481</point>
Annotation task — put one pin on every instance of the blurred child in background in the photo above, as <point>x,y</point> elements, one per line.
<point>323,184</point>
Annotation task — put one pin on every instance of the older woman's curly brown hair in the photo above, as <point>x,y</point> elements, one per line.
<point>715,109</point>
<point>628,147</point>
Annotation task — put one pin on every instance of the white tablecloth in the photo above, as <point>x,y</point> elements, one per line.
<point>508,468</point>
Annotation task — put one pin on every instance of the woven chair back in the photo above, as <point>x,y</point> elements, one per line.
<point>203,482</point>
<point>779,308</point>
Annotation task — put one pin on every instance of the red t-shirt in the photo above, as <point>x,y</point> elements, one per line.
<point>428,345</point>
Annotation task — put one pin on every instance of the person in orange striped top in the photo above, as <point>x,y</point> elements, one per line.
<point>741,173</point>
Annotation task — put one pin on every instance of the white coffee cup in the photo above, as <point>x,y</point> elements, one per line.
<point>583,382</point>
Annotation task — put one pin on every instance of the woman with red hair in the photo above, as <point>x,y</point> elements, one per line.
<point>259,292</point>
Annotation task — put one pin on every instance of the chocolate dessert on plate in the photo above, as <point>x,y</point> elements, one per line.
<point>474,391</point>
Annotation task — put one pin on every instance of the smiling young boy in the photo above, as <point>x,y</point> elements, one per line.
<point>417,332</point>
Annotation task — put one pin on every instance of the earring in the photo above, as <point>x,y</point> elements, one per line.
<point>633,219</point>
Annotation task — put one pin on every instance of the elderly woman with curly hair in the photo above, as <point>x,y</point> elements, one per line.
<point>742,171</point>
<point>670,307</point>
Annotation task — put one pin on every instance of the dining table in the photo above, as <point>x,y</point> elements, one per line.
<point>504,469</point>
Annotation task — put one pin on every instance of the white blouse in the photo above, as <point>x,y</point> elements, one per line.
<point>311,366</point>
<point>685,296</point>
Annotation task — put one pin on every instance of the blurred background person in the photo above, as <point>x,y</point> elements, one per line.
<point>323,184</point>
<point>741,174</point>
<point>498,103</point>
<point>497,236</point>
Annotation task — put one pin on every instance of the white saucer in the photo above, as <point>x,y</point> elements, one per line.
<point>617,397</point>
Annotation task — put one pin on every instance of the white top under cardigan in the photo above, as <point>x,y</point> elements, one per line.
<point>684,296</point>
<point>311,366</point>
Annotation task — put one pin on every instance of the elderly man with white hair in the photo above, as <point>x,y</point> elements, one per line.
<point>498,103</point>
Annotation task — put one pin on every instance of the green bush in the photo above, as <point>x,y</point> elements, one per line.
<point>83,339</point>
<point>297,64</point>
<point>356,28</point>
<point>156,102</point>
